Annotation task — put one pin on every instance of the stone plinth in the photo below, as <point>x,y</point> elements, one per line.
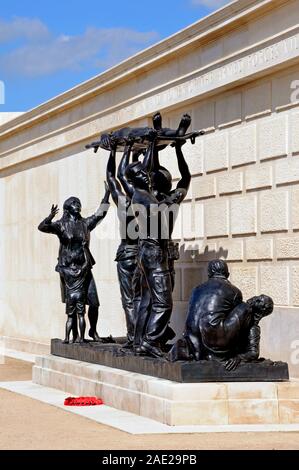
<point>111,355</point>
<point>170,402</point>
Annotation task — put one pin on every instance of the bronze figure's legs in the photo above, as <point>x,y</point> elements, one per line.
<point>75,310</point>
<point>161,306</point>
<point>82,323</point>
<point>68,329</point>
<point>157,122</point>
<point>154,264</point>
<point>93,315</point>
<point>184,124</point>
<point>93,310</point>
<point>126,270</point>
<point>143,310</point>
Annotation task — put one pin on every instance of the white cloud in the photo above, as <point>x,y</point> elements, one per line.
<point>211,4</point>
<point>31,29</point>
<point>42,53</point>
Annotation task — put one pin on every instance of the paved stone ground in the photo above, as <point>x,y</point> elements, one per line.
<point>13,369</point>
<point>29,424</point>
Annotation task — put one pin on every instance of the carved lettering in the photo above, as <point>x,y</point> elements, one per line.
<point>253,61</point>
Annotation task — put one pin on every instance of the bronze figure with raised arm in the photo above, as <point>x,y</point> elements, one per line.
<point>75,263</point>
<point>126,256</point>
<point>153,226</point>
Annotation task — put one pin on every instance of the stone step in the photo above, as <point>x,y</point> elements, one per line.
<point>25,345</point>
<point>173,403</point>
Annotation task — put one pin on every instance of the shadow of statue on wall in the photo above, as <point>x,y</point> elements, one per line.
<point>194,255</point>
<point>193,259</point>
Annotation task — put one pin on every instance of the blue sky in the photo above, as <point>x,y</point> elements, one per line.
<point>48,47</point>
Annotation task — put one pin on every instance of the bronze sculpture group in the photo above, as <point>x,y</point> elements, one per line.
<point>220,325</point>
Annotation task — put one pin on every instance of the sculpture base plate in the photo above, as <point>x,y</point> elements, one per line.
<point>111,355</point>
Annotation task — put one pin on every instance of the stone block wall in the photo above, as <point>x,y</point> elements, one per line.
<point>245,187</point>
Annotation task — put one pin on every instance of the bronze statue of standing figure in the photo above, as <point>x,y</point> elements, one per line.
<point>126,256</point>
<point>75,263</point>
